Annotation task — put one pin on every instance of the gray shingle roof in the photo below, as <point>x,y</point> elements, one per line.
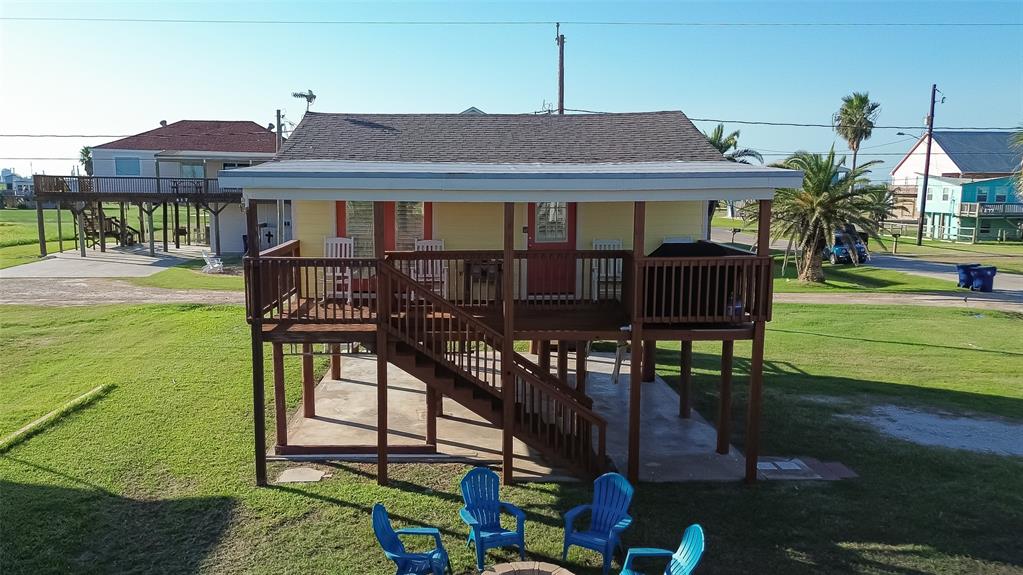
<point>980,152</point>
<point>498,138</point>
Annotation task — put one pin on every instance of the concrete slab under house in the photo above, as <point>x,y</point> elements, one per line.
<point>437,241</point>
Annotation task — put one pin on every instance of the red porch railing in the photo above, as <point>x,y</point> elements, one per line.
<point>731,289</point>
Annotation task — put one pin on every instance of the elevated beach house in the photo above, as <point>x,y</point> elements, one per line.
<point>438,240</point>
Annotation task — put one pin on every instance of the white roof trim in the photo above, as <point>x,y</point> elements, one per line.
<point>426,181</point>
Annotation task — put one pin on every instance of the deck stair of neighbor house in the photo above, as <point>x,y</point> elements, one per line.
<point>459,356</point>
<point>113,227</point>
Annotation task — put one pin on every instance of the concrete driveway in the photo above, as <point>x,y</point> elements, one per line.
<point>116,262</point>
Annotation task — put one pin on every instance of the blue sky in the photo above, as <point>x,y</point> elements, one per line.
<point>123,78</point>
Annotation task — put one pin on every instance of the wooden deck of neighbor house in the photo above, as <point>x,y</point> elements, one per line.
<point>451,319</point>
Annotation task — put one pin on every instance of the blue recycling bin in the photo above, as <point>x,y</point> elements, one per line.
<point>965,278</point>
<point>983,278</point>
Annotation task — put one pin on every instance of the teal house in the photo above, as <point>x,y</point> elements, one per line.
<point>971,210</point>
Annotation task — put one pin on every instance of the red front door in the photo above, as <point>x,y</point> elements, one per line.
<point>552,229</point>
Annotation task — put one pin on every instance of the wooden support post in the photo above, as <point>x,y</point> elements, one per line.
<point>649,360</point>
<point>40,227</point>
<point>508,347</point>
<point>124,226</point>
<point>725,399</point>
<point>685,383</point>
<point>756,384</point>
<point>636,360</point>
<point>74,224</point>
<point>544,361</point>
<point>383,318</point>
<point>188,222</point>
<point>308,382</point>
<point>60,229</point>
<point>101,221</point>
<point>335,361</point>
<point>256,325</point>
<point>215,214</point>
<point>80,216</point>
<point>431,415</point>
<point>142,225</point>
<point>563,360</point>
<point>165,226</point>
<point>177,236</point>
<point>756,370</point>
<point>280,402</point>
<point>580,366</point>
<point>152,237</point>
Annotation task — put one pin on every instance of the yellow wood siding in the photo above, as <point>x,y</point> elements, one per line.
<point>479,226</point>
<point>311,222</point>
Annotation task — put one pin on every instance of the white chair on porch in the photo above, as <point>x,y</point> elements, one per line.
<point>338,279</point>
<point>606,273</point>
<point>431,273</point>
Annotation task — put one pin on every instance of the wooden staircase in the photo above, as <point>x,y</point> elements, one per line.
<point>460,357</point>
<point>113,227</point>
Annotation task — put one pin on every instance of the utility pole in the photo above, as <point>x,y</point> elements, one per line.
<point>279,135</point>
<point>560,40</point>
<point>927,168</point>
<point>280,203</point>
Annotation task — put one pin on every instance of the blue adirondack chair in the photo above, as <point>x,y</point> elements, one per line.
<point>432,562</point>
<point>609,516</point>
<point>482,513</point>
<point>683,560</point>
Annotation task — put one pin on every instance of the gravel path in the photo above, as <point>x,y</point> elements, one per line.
<point>94,291</point>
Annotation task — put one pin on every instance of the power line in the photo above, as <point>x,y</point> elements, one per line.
<point>811,125</point>
<point>626,23</point>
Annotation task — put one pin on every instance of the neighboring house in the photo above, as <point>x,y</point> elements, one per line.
<point>194,150</point>
<point>960,155</point>
<point>451,236</point>
<point>19,186</point>
<point>968,210</point>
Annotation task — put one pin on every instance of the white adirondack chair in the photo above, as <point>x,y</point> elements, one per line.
<point>432,273</point>
<point>339,279</point>
<point>214,265</point>
<point>607,271</point>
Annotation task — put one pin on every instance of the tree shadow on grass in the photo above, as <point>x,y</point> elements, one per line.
<point>51,529</point>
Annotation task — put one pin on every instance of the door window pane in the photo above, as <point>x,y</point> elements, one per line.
<point>551,222</point>
<point>127,167</point>
<point>359,227</point>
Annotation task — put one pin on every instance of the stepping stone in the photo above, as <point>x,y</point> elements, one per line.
<point>301,475</point>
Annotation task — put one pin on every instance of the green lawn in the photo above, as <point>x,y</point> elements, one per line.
<point>863,278</point>
<point>188,276</point>
<point>156,474</point>
<point>1007,256</point>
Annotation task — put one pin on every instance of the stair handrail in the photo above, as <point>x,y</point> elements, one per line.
<point>556,391</point>
<point>532,367</point>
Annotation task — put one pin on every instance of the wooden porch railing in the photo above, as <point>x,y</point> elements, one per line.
<point>129,185</point>
<point>545,279</point>
<point>705,290</point>
<point>730,289</point>
<point>974,209</point>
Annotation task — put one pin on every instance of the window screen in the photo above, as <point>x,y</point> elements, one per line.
<point>359,227</point>
<point>191,170</point>
<point>127,167</point>
<point>408,224</point>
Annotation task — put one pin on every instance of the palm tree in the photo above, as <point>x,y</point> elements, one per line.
<point>85,158</point>
<point>829,200</point>
<point>728,145</point>
<point>854,121</point>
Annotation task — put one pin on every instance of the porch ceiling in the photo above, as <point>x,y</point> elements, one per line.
<point>491,182</point>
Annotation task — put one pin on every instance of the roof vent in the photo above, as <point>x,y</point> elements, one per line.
<point>163,123</point>
<point>270,126</point>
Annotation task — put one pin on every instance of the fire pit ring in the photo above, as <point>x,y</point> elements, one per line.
<point>527,568</point>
